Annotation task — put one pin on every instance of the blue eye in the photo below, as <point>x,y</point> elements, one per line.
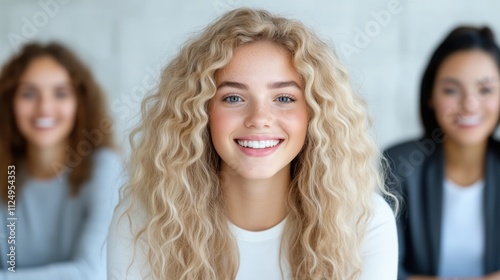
<point>285,99</point>
<point>232,99</point>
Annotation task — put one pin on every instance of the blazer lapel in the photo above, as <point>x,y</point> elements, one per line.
<point>492,210</point>
<point>434,195</point>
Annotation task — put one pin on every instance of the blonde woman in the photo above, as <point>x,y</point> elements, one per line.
<point>253,161</point>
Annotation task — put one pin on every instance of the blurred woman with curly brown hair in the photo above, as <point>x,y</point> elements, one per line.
<point>56,144</point>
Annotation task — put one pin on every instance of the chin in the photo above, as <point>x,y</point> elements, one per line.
<point>470,142</point>
<point>45,143</point>
<point>258,175</point>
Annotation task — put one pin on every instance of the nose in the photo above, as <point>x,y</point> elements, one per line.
<point>470,102</point>
<point>259,115</point>
<point>45,103</point>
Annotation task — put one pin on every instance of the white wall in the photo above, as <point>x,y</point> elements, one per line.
<point>126,43</point>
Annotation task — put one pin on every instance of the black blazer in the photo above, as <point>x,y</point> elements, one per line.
<point>417,175</point>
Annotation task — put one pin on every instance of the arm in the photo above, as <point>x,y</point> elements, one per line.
<point>380,253</point>
<point>88,259</point>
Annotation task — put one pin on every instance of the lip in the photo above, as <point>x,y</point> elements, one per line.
<point>258,152</point>
<point>258,138</point>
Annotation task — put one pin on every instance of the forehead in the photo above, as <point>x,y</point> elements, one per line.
<point>469,65</point>
<point>257,61</point>
<point>45,69</point>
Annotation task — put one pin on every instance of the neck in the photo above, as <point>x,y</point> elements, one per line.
<point>256,205</point>
<point>464,164</point>
<point>40,161</point>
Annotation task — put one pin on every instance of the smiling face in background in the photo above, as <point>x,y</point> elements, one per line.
<point>466,97</point>
<point>45,104</point>
<point>258,116</point>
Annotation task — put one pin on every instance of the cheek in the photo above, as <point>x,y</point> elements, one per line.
<point>220,123</point>
<point>68,110</point>
<point>494,102</point>
<point>22,110</point>
<point>493,107</point>
<point>444,107</point>
<point>295,122</point>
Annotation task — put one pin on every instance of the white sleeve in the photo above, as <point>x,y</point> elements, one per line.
<point>126,261</point>
<point>380,250</point>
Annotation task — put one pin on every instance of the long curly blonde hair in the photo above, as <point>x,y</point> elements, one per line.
<point>174,166</point>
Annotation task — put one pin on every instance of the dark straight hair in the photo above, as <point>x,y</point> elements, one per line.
<point>460,39</point>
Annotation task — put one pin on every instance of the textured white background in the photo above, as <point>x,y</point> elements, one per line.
<point>127,42</point>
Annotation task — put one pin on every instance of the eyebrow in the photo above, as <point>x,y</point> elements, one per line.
<point>275,85</point>
<point>487,80</point>
<point>449,80</point>
<point>480,82</point>
<point>232,84</point>
<point>31,85</point>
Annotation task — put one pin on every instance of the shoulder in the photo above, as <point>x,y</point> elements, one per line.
<point>107,166</point>
<point>409,159</point>
<point>403,148</point>
<point>380,247</point>
<point>422,147</point>
<point>382,213</point>
<point>108,175</point>
<point>106,157</point>
<point>126,254</point>
<point>127,220</point>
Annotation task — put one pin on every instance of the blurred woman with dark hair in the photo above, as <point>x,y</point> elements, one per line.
<point>59,173</point>
<point>450,223</point>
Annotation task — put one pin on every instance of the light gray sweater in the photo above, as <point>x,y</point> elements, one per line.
<point>59,236</point>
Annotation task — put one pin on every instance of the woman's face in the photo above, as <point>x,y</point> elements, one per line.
<point>258,116</point>
<point>466,97</point>
<point>45,104</point>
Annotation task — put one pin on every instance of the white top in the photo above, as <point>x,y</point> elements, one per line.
<point>259,251</point>
<point>462,232</point>
<point>59,236</point>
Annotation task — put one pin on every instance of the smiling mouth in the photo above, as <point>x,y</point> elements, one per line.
<point>469,121</point>
<point>261,144</point>
<point>45,122</point>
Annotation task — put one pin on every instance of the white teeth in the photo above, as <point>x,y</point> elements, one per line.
<point>472,120</point>
<point>45,122</point>
<point>258,144</point>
